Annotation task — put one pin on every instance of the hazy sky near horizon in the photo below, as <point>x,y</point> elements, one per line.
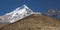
<point>36,5</point>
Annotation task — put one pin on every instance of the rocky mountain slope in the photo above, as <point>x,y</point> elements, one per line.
<point>34,22</point>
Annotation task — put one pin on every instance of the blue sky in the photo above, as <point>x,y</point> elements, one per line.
<point>36,5</point>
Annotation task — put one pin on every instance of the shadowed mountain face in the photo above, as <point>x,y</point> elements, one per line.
<point>34,22</point>
<point>55,13</point>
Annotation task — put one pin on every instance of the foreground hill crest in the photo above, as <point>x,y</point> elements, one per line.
<point>34,22</point>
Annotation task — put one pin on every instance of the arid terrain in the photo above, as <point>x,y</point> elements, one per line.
<point>2,25</point>
<point>34,22</point>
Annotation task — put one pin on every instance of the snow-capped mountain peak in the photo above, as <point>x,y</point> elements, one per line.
<point>18,9</point>
<point>18,13</point>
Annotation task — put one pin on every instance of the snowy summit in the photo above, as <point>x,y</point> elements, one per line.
<point>17,14</point>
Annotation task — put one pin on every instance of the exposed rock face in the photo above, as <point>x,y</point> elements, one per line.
<point>4,17</point>
<point>34,22</point>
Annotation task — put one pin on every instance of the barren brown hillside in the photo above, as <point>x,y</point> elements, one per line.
<point>2,25</point>
<point>34,22</point>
